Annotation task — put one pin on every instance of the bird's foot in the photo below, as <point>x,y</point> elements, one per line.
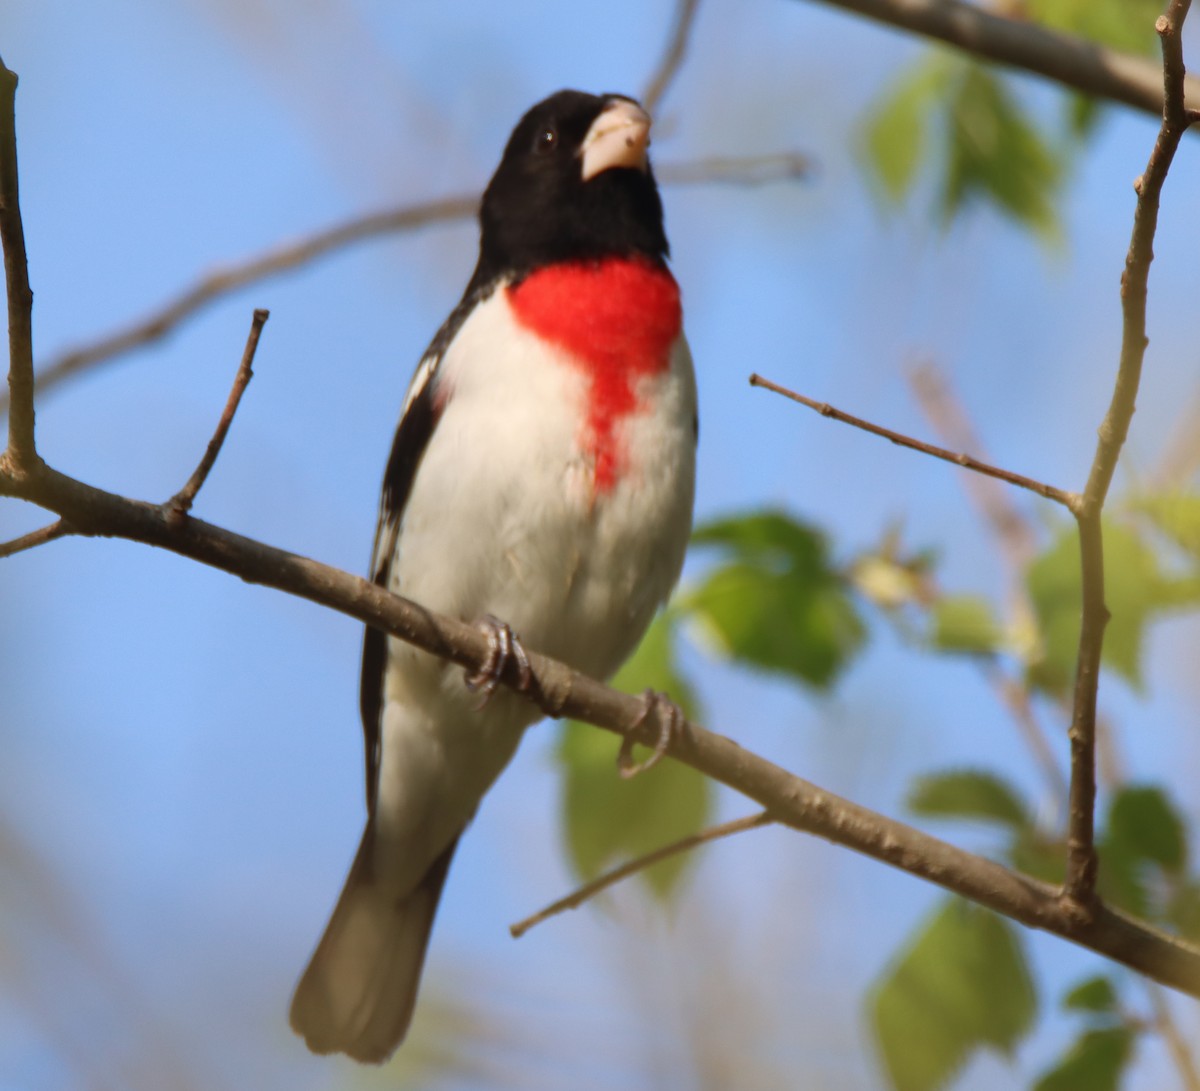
<point>670,723</point>
<point>503,648</point>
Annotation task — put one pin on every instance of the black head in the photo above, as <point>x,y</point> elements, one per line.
<point>574,183</point>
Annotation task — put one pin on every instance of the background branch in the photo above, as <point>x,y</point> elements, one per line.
<point>673,55</point>
<point>1064,58</point>
<point>164,320</point>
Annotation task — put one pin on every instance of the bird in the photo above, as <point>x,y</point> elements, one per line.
<point>540,484</point>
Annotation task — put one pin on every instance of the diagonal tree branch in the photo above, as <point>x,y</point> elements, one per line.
<point>168,317</point>
<point>631,867</point>
<point>1063,58</point>
<point>790,800</point>
<point>1081,850</point>
<point>673,55</point>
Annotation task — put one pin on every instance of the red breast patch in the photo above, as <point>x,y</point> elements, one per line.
<point>617,318</point>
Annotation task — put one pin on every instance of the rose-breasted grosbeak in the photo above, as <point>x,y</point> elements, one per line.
<point>542,474</point>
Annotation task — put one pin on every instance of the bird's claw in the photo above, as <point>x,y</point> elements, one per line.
<point>503,648</point>
<point>670,723</point>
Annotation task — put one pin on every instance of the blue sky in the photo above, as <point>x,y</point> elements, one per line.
<point>180,795</point>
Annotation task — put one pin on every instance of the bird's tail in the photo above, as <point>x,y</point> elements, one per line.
<point>357,995</point>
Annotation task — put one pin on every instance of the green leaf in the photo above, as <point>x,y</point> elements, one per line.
<point>995,153</point>
<point>776,603</point>
<point>1095,994</point>
<point>969,794</point>
<point>895,134</point>
<point>1122,24</point>
<point>965,623</point>
<point>961,985</point>
<point>1134,590</point>
<point>1183,910</point>
<point>1177,515</point>
<point>1039,856</point>
<point>1142,829</point>
<point>606,818</point>
<point>1094,1063</point>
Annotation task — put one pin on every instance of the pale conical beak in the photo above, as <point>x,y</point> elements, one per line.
<point>618,138</point>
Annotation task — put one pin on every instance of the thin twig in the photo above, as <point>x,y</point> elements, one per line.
<point>164,320</point>
<point>58,529</point>
<point>589,890</point>
<point>1065,59</point>
<point>21,448</point>
<point>672,56</point>
<point>1079,889</point>
<point>181,503</point>
<point>1067,499</point>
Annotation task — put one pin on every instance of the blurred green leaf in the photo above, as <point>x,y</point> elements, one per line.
<point>606,818</point>
<point>1096,994</point>
<point>1141,828</point>
<point>994,152</point>
<point>965,623</point>
<point>895,136</point>
<point>962,984</point>
<point>1134,589</point>
<point>1143,821</point>
<point>1094,1063</point>
<point>1177,515</point>
<point>1183,910</point>
<point>776,603</point>
<point>1122,24</point>
<point>1039,856</point>
<point>968,794</point>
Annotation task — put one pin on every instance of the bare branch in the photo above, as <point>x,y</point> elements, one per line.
<point>610,878</point>
<point>1064,58</point>
<point>181,503</point>
<point>672,57</point>
<point>58,529</point>
<point>164,320</point>
<point>1067,499</point>
<point>1081,850</point>
<point>21,449</point>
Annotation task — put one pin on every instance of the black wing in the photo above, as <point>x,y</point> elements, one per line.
<point>417,422</point>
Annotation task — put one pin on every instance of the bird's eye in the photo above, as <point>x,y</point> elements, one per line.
<point>547,139</point>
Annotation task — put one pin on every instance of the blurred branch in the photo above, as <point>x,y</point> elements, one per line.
<point>181,503</point>
<point>673,55</point>
<point>1064,58</point>
<point>165,319</point>
<point>21,449</point>
<point>1018,543</point>
<point>1067,499</point>
<point>1177,1046</point>
<point>610,878</point>
<point>1079,889</point>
